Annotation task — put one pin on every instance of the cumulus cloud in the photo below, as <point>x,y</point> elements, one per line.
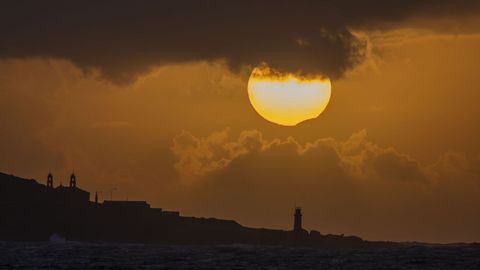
<point>453,166</point>
<point>355,157</point>
<point>125,38</point>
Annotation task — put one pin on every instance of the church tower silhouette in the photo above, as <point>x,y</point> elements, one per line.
<point>50,180</point>
<point>73,180</point>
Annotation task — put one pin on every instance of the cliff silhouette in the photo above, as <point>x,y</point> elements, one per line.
<point>34,212</point>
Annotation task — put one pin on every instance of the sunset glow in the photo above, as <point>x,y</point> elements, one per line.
<point>207,123</point>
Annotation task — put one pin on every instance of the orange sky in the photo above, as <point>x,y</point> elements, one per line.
<point>395,156</point>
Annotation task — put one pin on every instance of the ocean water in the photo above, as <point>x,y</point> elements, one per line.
<point>68,255</point>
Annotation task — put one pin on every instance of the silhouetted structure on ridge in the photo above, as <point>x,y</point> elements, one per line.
<point>73,180</point>
<point>71,195</point>
<point>31,211</point>
<point>297,220</point>
<point>131,205</point>
<point>50,180</point>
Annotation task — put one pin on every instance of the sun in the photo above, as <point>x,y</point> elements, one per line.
<point>287,99</point>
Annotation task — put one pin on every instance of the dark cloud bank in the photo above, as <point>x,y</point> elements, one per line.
<point>125,38</point>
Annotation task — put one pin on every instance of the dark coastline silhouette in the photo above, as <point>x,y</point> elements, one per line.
<point>35,212</point>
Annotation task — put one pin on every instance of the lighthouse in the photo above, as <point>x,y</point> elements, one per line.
<point>297,220</point>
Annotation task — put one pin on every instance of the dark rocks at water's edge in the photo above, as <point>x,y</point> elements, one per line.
<point>34,212</point>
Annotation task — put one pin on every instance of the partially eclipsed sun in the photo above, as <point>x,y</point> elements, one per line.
<point>287,99</point>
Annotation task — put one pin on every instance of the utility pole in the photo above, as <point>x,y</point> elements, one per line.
<point>96,195</point>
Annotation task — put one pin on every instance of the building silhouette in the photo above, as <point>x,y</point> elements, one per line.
<point>50,180</point>
<point>70,195</point>
<point>73,180</point>
<point>75,197</point>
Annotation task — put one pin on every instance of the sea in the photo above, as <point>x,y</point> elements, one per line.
<point>74,255</point>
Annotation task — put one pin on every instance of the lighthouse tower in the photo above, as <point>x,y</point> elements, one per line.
<point>297,220</point>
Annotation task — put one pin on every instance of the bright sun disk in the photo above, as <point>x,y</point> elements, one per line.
<point>287,99</point>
